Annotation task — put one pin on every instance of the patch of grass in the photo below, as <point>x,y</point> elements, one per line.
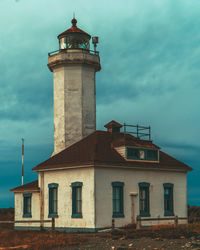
<point>40,240</point>
<point>161,231</point>
<point>6,214</point>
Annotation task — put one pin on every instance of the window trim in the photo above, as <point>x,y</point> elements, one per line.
<point>27,215</point>
<point>51,214</point>
<point>145,154</point>
<point>145,185</point>
<point>171,211</point>
<point>121,213</point>
<point>75,185</point>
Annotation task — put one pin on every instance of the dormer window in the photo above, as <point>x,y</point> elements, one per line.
<point>142,154</point>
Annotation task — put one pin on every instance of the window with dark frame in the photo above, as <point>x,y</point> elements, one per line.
<point>144,199</point>
<point>133,153</point>
<point>168,199</point>
<point>27,205</point>
<point>142,154</point>
<point>53,200</point>
<point>117,199</point>
<point>151,154</point>
<point>77,199</point>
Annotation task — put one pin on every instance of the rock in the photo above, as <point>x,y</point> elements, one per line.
<point>182,237</point>
<point>187,244</point>
<point>112,247</point>
<point>105,230</point>
<point>195,245</point>
<point>130,245</point>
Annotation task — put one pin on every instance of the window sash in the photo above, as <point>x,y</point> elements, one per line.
<point>118,209</point>
<point>144,200</point>
<point>77,201</point>
<point>168,200</point>
<point>151,154</point>
<point>133,153</point>
<point>53,200</point>
<point>27,205</point>
<point>142,154</point>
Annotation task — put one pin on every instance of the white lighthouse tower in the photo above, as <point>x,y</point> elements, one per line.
<point>74,67</point>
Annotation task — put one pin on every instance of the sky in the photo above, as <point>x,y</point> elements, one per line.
<point>150,58</point>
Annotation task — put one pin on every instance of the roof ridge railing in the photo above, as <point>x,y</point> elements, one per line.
<point>137,128</point>
<point>65,50</point>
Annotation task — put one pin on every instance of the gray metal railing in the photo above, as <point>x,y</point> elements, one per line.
<point>65,50</point>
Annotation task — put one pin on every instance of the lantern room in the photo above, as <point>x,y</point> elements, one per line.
<point>74,38</point>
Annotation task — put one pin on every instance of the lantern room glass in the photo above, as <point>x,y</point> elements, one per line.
<point>75,41</point>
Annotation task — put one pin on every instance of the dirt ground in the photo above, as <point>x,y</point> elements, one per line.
<point>143,243</point>
<point>117,240</point>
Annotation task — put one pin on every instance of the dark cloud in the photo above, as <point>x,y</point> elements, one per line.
<point>182,145</point>
<point>150,74</point>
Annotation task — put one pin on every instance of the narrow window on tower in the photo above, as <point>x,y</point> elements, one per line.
<point>53,200</point>
<point>168,199</point>
<point>117,199</point>
<point>77,199</point>
<point>144,199</point>
<point>27,205</point>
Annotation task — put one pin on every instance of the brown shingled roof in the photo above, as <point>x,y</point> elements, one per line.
<point>31,186</point>
<point>130,140</point>
<point>99,149</point>
<point>113,123</point>
<point>72,30</point>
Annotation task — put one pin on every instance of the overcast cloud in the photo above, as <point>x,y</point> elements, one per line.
<point>150,57</point>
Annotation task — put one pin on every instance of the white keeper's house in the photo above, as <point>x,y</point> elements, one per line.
<point>93,176</point>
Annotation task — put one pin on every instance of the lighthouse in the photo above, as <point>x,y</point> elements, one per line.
<point>74,67</point>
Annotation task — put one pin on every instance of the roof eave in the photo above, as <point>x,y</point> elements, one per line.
<point>114,164</point>
<point>25,190</point>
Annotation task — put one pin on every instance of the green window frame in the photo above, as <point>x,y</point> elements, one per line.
<point>53,200</point>
<point>77,199</point>
<point>133,153</point>
<point>27,205</point>
<point>117,199</point>
<point>144,205</point>
<point>151,155</point>
<point>168,199</point>
<point>136,153</point>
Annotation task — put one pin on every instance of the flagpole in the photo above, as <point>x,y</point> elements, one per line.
<point>22,161</point>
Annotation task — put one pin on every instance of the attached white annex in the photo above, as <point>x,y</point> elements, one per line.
<point>94,176</point>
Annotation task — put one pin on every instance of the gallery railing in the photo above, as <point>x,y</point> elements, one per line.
<point>65,50</point>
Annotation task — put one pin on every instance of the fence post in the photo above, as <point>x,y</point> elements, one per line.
<point>138,222</point>
<point>53,224</point>
<point>158,219</point>
<point>176,220</point>
<point>113,224</point>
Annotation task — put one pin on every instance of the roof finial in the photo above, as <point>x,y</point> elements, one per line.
<point>74,21</point>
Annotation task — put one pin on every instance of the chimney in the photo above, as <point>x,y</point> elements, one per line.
<point>113,127</point>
